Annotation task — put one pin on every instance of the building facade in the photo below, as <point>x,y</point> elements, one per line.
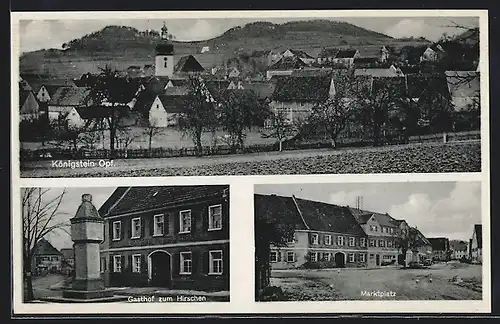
<point>172,237</point>
<point>440,248</point>
<point>476,248</point>
<point>46,258</point>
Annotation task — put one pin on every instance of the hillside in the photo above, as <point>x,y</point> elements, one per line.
<point>124,46</point>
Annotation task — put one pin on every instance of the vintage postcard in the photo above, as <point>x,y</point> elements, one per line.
<point>249,93</point>
<point>256,162</point>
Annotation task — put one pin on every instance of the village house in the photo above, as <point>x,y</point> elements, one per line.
<point>174,236</point>
<point>327,54</point>
<point>166,110</point>
<point>464,89</point>
<point>205,49</point>
<point>187,65</point>
<point>476,245</point>
<point>303,56</point>
<point>458,250</point>
<point>46,258</point>
<point>346,57</point>
<point>28,105</point>
<point>296,96</point>
<point>285,66</point>
<point>383,235</point>
<point>44,89</point>
<point>440,248</point>
<point>323,233</point>
<point>377,53</point>
<point>65,100</point>
<point>433,53</point>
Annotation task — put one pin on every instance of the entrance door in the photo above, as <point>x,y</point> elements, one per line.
<point>339,260</point>
<point>378,259</point>
<point>160,269</point>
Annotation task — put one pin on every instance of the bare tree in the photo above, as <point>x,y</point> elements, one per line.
<point>150,131</point>
<point>280,127</point>
<point>40,213</point>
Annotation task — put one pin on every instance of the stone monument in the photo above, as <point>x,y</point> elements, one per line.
<point>87,232</point>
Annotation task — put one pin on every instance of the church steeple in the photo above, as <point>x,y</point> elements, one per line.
<point>164,59</point>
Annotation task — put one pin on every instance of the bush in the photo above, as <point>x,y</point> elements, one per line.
<point>272,293</point>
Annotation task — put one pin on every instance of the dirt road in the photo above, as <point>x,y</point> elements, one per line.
<point>391,283</point>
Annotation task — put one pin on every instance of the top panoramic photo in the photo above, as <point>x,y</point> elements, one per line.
<point>248,96</point>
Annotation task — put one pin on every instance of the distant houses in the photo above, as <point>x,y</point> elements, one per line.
<point>46,258</point>
<point>440,248</point>
<point>476,244</point>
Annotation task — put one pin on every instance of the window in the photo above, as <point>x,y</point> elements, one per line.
<point>215,262</point>
<point>362,257</point>
<point>117,263</point>
<point>136,263</point>
<point>165,62</point>
<point>381,243</point>
<point>391,230</point>
<point>136,228</point>
<point>326,256</point>
<point>290,256</point>
<point>314,257</point>
<point>159,225</point>
<point>291,239</point>
<point>362,242</point>
<point>314,238</point>
<point>372,256</point>
<point>328,239</point>
<point>185,221</point>
<point>372,243</point>
<point>186,263</point>
<point>389,243</point>
<point>340,240</point>
<point>273,256</point>
<point>372,228</point>
<point>376,228</point>
<point>103,264</point>
<point>214,217</point>
<point>117,230</point>
<point>351,241</point>
<point>351,257</point>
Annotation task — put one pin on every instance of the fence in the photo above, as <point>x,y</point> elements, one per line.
<point>69,154</point>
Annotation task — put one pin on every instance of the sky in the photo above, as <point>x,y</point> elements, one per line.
<point>437,209</point>
<point>71,200</point>
<point>43,34</point>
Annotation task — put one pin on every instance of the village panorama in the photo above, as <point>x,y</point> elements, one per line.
<point>301,97</point>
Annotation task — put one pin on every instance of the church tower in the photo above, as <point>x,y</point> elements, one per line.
<point>164,57</point>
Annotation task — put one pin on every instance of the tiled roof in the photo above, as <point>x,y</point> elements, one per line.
<point>439,243</point>
<point>378,72</point>
<point>300,54</point>
<point>302,89</point>
<point>328,217</point>
<point>418,84</point>
<point>346,53</point>
<point>370,51</point>
<point>23,96</point>
<point>96,112</point>
<point>171,103</point>
<point>68,253</point>
<point>50,84</point>
<point>288,63</point>
<point>147,198</point>
<point>279,209</point>
<point>44,247</point>
<point>70,96</point>
<point>188,64</point>
<point>478,229</point>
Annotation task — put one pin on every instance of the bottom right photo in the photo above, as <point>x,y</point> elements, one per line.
<point>368,241</point>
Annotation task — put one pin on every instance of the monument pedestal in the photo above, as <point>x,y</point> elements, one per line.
<point>87,231</point>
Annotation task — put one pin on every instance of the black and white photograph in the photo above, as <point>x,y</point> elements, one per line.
<point>107,97</point>
<point>144,244</point>
<point>369,241</point>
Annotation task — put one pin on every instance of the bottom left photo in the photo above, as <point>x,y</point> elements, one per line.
<point>125,244</point>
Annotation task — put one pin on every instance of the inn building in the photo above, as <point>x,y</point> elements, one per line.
<point>173,237</point>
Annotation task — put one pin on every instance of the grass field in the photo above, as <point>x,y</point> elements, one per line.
<point>411,158</point>
<point>435,283</point>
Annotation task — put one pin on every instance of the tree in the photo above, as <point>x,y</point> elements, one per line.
<point>268,232</point>
<point>333,114</point>
<point>239,110</point>
<point>40,213</point>
<point>279,128</point>
<point>150,131</point>
<point>69,133</point>
<point>112,91</point>
<point>199,112</point>
<point>407,238</point>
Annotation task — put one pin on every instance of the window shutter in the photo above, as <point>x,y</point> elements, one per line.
<point>205,259</point>
<point>130,267</point>
<point>279,256</point>
<point>194,262</point>
<point>294,256</point>
<point>123,263</point>
<point>151,225</point>
<point>111,264</point>
<point>144,264</point>
<point>129,228</point>
<point>175,263</point>
<point>110,230</point>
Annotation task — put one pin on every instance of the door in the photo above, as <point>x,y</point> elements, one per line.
<point>378,259</point>
<point>339,260</point>
<point>160,269</point>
